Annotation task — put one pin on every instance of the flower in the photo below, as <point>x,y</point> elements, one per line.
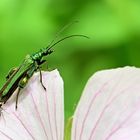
<point>109,108</point>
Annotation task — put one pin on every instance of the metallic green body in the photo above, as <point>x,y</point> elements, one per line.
<point>18,77</point>
<point>24,66</point>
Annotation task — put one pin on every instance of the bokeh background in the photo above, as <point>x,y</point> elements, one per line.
<point>112,25</point>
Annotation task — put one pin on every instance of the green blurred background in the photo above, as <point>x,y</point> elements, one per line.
<point>112,25</point>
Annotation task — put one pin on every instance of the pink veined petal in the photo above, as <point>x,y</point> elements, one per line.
<point>40,113</point>
<point>109,108</point>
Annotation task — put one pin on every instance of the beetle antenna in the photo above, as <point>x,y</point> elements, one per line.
<point>66,38</point>
<point>61,30</point>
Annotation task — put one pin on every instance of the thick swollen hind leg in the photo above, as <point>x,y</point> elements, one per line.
<point>11,72</point>
<point>21,85</point>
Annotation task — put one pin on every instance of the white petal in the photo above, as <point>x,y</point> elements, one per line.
<point>40,113</point>
<point>109,108</point>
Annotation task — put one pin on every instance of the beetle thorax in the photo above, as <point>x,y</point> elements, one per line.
<point>29,59</point>
<point>37,56</point>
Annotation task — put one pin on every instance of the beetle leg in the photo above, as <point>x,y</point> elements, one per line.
<point>10,73</point>
<point>1,109</point>
<point>23,82</point>
<point>38,68</point>
<point>17,97</point>
<point>41,62</point>
<point>21,85</point>
<point>41,79</point>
